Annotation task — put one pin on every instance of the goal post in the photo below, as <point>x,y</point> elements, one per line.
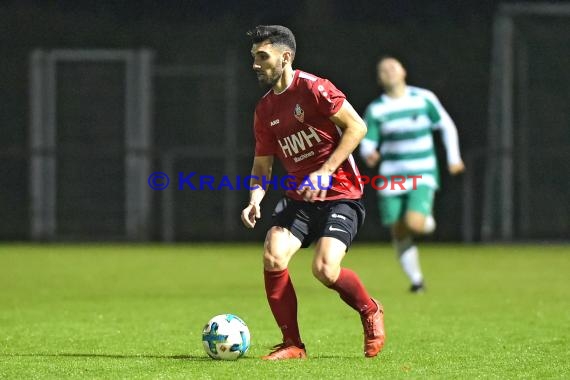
<point>61,129</point>
<point>528,38</point>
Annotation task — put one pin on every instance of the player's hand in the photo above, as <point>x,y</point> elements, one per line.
<point>320,182</point>
<point>455,169</point>
<point>372,159</point>
<point>250,214</point>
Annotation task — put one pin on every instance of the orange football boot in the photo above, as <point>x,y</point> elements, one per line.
<point>374,335</point>
<point>286,350</point>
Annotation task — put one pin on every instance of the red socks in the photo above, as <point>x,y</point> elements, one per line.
<point>352,291</point>
<point>283,303</point>
<point>283,300</point>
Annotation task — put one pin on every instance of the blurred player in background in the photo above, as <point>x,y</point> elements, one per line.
<point>299,121</point>
<point>400,124</point>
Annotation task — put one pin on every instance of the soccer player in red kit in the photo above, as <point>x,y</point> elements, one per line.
<point>308,124</point>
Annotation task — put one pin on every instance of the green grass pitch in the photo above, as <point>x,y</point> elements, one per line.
<point>137,311</point>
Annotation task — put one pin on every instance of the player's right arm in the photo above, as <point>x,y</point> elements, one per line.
<point>262,167</point>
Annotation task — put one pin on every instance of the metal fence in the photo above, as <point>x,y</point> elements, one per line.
<point>95,139</point>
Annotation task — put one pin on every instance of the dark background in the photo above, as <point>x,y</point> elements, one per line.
<point>445,45</point>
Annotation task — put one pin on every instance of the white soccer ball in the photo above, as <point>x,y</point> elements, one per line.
<point>226,337</point>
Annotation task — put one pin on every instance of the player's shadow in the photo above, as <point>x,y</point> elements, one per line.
<point>111,356</point>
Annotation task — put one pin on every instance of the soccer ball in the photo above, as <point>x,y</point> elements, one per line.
<point>226,337</point>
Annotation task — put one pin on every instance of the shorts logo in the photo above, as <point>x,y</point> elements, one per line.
<point>299,113</point>
<point>331,228</point>
<point>338,216</point>
<point>275,122</point>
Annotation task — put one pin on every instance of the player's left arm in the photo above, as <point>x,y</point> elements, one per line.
<point>449,136</point>
<point>354,130</point>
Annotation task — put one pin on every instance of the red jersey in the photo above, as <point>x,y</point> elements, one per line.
<point>295,126</point>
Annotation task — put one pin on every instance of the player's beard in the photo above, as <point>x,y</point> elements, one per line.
<point>270,81</point>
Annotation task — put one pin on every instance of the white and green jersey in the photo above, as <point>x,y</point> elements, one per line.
<point>402,129</point>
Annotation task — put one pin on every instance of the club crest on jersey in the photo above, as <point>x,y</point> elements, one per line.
<point>299,113</point>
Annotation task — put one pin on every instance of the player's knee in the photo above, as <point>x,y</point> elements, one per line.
<point>326,272</point>
<point>272,261</point>
<point>416,223</point>
<point>275,255</point>
<point>274,258</point>
<point>416,227</point>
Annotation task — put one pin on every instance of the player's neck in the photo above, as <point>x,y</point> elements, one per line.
<point>285,81</point>
<point>396,91</point>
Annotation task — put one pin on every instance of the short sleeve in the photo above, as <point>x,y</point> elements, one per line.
<point>329,98</point>
<point>264,139</point>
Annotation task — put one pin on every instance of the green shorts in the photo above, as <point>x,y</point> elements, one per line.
<point>392,208</point>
